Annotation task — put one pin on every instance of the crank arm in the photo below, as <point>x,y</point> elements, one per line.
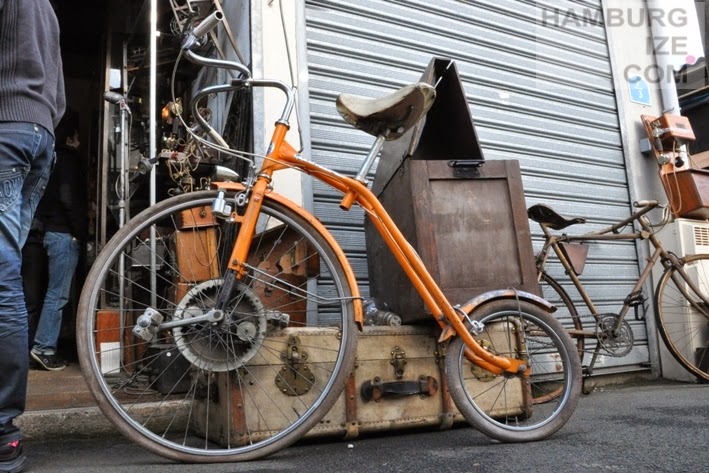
<point>212,316</point>
<point>151,321</point>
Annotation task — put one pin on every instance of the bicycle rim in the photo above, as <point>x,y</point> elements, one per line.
<point>682,316</point>
<point>507,408</point>
<point>566,312</point>
<point>238,388</point>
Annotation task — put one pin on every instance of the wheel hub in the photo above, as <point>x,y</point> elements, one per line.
<point>225,345</point>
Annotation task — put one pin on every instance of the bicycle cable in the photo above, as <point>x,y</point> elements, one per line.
<point>290,71</point>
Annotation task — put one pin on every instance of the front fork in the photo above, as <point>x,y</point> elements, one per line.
<point>236,267</point>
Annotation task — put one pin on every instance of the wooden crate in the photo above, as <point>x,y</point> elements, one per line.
<point>196,218</point>
<point>196,250</point>
<point>292,260</point>
<point>108,340</point>
<point>470,228</point>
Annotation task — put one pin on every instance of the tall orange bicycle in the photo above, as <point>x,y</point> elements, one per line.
<point>221,325</point>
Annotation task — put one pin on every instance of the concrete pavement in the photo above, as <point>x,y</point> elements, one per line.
<point>655,426</point>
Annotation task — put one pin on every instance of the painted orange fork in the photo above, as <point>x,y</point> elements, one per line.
<point>281,156</point>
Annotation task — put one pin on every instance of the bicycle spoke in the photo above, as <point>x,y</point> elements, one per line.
<point>240,383</point>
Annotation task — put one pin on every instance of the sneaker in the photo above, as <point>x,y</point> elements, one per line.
<point>49,362</point>
<point>12,460</point>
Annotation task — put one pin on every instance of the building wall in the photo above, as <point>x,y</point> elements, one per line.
<point>275,56</point>
<point>628,44</point>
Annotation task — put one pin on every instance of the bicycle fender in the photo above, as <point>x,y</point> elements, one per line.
<point>512,294</point>
<point>349,273</point>
<point>501,294</point>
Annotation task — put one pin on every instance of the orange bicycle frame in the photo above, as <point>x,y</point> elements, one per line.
<point>283,156</point>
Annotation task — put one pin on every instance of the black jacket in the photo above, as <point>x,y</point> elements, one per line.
<point>63,207</point>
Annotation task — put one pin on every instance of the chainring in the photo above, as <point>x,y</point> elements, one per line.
<point>614,344</point>
<point>225,345</point>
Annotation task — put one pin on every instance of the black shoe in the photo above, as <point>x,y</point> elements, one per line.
<point>12,460</point>
<point>48,362</point>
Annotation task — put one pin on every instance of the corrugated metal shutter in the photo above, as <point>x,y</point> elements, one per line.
<point>540,89</point>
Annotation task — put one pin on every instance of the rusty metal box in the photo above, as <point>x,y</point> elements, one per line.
<point>468,225</point>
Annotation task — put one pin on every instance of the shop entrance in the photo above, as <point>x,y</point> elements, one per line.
<point>107,67</point>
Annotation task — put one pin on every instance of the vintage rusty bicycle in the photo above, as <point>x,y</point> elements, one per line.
<point>681,300</point>
<point>221,325</point>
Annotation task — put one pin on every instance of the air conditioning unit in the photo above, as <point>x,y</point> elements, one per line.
<point>685,237</point>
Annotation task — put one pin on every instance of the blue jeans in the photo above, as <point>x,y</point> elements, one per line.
<point>26,160</point>
<point>62,257</point>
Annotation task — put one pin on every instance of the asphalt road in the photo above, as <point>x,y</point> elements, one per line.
<point>656,427</point>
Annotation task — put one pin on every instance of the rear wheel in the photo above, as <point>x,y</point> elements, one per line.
<point>566,313</point>
<point>683,316</point>
<point>197,382</point>
<point>517,408</point>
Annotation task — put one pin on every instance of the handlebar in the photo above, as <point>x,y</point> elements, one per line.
<point>645,203</point>
<point>219,63</point>
<point>208,24</point>
<point>240,83</point>
<point>194,37</point>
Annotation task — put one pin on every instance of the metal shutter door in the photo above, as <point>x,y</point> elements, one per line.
<point>540,90</point>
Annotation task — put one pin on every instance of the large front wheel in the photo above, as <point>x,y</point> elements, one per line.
<point>522,407</point>
<point>683,315</point>
<point>197,365</point>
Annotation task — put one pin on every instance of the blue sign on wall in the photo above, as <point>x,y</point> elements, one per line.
<point>639,91</point>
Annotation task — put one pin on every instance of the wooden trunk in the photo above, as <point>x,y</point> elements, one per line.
<point>468,225</point>
<point>385,355</point>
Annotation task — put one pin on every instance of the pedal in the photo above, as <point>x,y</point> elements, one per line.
<point>635,300</point>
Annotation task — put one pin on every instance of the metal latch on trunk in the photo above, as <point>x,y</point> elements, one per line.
<point>466,168</point>
<point>294,378</point>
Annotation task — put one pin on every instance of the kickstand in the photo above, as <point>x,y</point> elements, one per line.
<point>587,371</point>
<point>586,375</point>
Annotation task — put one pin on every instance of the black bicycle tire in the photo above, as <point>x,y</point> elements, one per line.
<point>514,432</point>
<point>664,325</point>
<point>87,306</point>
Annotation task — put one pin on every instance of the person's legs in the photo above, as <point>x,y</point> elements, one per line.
<point>34,279</point>
<point>62,255</point>
<point>26,156</point>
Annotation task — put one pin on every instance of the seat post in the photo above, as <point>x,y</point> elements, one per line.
<point>369,160</point>
<point>349,197</point>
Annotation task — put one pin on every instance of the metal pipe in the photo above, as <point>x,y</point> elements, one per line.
<point>677,43</point>
<point>219,63</point>
<point>666,57</point>
<point>153,141</point>
<point>369,160</point>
